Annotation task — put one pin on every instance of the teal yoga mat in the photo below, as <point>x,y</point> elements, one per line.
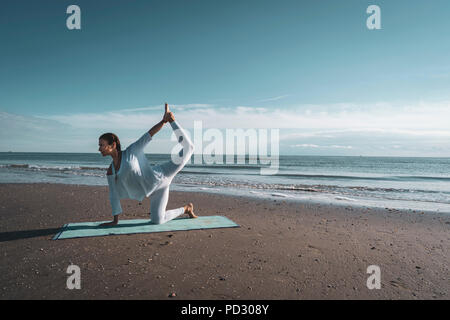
<point>92,229</point>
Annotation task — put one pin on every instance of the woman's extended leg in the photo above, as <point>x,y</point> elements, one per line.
<point>160,197</point>
<point>172,167</point>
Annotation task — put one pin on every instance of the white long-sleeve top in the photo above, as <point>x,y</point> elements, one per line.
<point>136,178</point>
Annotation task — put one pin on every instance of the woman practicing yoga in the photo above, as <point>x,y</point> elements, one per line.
<point>131,176</point>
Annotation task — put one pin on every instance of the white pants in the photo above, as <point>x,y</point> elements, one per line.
<point>160,197</point>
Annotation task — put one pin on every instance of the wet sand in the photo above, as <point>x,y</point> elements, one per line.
<point>282,250</point>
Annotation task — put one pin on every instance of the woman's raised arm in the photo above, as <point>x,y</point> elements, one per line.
<point>156,128</point>
<point>168,117</point>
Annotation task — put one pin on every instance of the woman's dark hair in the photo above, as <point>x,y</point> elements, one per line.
<point>110,138</point>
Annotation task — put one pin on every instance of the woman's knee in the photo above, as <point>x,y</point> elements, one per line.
<point>156,220</point>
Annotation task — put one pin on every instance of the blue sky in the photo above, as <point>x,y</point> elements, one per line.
<point>309,68</point>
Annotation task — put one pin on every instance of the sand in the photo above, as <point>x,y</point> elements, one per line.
<point>283,250</point>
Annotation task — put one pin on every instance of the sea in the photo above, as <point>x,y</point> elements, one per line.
<point>418,184</point>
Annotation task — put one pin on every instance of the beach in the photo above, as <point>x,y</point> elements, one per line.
<point>282,249</point>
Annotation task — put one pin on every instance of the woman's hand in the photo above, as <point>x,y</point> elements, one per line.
<point>168,116</point>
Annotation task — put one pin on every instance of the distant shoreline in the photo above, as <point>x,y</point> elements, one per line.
<point>224,155</point>
<point>252,197</point>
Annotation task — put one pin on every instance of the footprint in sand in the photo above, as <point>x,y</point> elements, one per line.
<point>398,284</point>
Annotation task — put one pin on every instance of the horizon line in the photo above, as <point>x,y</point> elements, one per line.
<point>288,155</point>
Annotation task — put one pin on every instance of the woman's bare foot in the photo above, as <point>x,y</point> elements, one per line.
<point>189,209</point>
<point>108,224</point>
<point>112,223</point>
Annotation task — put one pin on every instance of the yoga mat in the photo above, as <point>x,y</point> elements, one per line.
<point>92,229</point>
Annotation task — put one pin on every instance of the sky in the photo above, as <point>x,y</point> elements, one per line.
<point>311,69</point>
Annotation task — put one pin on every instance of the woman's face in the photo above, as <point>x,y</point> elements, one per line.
<point>105,148</point>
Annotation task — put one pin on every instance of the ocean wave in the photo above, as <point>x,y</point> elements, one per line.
<point>344,198</point>
<point>237,170</point>
<point>281,195</point>
<point>412,178</point>
<point>349,177</point>
<point>323,188</point>
<point>230,166</point>
<point>50,168</point>
<point>19,165</point>
<point>93,168</point>
<point>323,183</point>
<point>256,172</point>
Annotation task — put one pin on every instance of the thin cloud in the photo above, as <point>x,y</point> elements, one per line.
<point>275,98</point>
<point>161,107</point>
<point>364,132</point>
<point>340,147</point>
<point>191,106</point>
<point>342,128</point>
<point>418,119</point>
<point>305,145</point>
<point>139,109</point>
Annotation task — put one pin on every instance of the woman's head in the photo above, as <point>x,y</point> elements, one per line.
<point>108,143</point>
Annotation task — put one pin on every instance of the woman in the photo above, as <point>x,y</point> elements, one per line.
<point>131,176</point>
